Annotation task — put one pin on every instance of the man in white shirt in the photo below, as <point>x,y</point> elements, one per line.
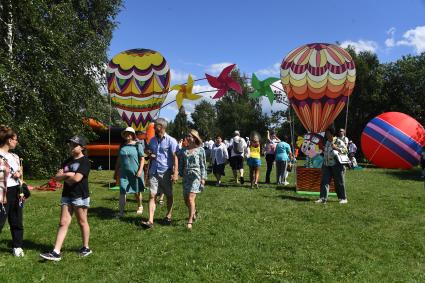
<point>238,148</point>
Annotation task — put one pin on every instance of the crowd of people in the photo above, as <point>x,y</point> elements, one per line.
<point>158,165</point>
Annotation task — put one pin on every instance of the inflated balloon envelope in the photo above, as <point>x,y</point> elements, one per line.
<point>318,79</point>
<point>138,82</point>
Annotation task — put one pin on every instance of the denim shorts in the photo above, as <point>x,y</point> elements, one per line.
<point>85,202</point>
<point>254,162</point>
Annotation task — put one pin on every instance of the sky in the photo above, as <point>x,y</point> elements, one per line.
<point>198,37</point>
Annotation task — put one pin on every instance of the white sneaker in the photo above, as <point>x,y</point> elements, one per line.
<point>140,210</point>
<point>285,183</point>
<point>18,252</point>
<point>343,201</point>
<point>320,200</point>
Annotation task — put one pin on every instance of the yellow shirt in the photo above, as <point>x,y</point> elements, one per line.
<point>254,152</point>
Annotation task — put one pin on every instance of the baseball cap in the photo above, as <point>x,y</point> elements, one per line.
<point>78,140</point>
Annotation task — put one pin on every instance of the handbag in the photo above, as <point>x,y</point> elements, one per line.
<point>342,158</point>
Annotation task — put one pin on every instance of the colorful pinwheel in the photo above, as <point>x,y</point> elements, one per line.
<point>224,82</point>
<point>185,92</point>
<point>262,88</point>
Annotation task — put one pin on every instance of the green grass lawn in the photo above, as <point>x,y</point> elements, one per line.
<point>242,235</point>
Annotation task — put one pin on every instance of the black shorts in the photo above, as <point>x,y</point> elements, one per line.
<point>236,162</point>
<point>218,169</point>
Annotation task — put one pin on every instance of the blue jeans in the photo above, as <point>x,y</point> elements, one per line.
<point>337,172</point>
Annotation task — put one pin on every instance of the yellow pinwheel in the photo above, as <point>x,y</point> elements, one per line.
<point>185,92</point>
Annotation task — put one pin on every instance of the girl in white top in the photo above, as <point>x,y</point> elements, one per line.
<point>219,156</point>
<point>10,197</point>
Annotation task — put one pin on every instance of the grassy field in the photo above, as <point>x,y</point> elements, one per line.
<point>242,235</point>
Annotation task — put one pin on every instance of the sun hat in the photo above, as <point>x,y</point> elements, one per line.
<point>78,140</point>
<point>195,135</point>
<point>128,130</point>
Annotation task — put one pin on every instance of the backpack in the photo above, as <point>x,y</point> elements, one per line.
<point>238,146</point>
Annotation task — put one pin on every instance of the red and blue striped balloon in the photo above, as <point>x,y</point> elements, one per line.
<point>393,140</point>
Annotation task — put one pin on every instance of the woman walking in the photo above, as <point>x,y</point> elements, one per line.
<point>192,167</point>
<point>272,141</point>
<point>10,198</point>
<point>254,159</point>
<point>130,165</point>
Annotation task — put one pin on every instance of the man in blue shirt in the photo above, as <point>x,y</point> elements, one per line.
<point>163,169</point>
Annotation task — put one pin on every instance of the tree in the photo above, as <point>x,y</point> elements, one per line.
<point>49,77</point>
<point>180,126</point>
<point>239,112</point>
<point>367,99</point>
<point>204,117</point>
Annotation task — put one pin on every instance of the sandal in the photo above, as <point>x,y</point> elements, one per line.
<point>167,220</point>
<point>147,224</point>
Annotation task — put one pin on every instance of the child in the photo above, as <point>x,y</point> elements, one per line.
<point>192,167</point>
<point>75,197</point>
<point>254,159</point>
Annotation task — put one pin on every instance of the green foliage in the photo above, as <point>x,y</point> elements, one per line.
<point>204,117</point>
<point>180,126</point>
<point>51,80</point>
<point>242,235</point>
<point>239,112</point>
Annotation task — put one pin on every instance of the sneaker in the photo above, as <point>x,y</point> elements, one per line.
<point>119,215</point>
<point>285,183</point>
<point>18,252</point>
<point>218,184</point>
<point>320,200</point>
<point>85,252</point>
<point>343,201</point>
<point>140,210</point>
<point>51,256</point>
<point>242,180</point>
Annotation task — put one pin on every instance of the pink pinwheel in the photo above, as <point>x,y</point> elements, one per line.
<point>224,82</point>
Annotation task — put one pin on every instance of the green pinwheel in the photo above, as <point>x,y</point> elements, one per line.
<point>262,88</point>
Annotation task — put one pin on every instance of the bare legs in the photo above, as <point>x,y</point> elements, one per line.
<point>65,221</point>
<point>190,203</point>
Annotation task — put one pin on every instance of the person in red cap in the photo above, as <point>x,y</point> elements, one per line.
<point>75,197</point>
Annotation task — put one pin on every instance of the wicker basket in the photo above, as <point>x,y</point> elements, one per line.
<point>308,179</point>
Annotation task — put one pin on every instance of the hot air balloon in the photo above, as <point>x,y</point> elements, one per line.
<point>138,82</point>
<point>318,78</point>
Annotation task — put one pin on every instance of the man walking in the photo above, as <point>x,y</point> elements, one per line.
<point>163,171</point>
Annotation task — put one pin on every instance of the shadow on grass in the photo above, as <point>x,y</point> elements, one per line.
<point>285,188</point>
<point>414,175</point>
<point>27,245</point>
<point>295,198</point>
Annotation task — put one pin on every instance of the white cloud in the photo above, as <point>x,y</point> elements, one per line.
<point>414,37</point>
<point>361,45</point>
<point>390,42</point>
<point>217,68</point>
<point>179,76</point>
<point>271,71</point>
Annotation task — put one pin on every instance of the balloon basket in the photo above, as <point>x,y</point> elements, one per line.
<point>308,182</point>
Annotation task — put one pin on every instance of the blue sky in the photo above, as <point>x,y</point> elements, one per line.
<point>198,37</point>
